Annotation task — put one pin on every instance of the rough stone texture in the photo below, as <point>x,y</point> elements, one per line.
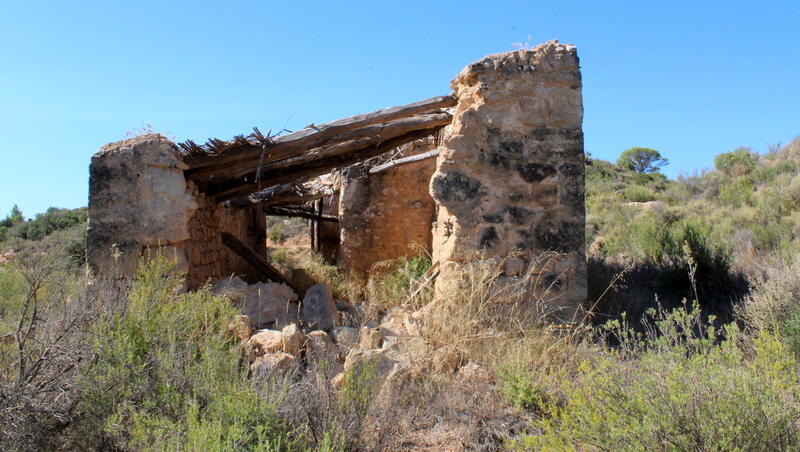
<point>208,257</point>
<point>242,328</point>
<point>289,340</point>
<point>268,305</point>
<point>137,202</point>
<point>273,364</point>
<point>369,338</point>
<point>510,179</point>
<point>319,309</point>
<point>345,335</point>
<point>140,203</point>
<point>319,346</point>
<point>384,215</point>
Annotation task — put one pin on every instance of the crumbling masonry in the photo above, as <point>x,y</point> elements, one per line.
<point>495,170</point>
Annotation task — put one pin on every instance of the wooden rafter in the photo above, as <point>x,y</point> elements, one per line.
<point>234,189</point>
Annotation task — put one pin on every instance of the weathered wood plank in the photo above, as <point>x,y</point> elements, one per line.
<point>405,160</point>
<point>298,213</point>
<point>315,135</point>
<point>258,261</point>
<point>282,156</point>
<point>225,192</point>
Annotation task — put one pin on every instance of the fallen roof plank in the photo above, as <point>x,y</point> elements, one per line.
<point>235,189</point>
<point>312,136</point>
<point>404,160</point>
<point>281,157</point>
<point>258,261</point>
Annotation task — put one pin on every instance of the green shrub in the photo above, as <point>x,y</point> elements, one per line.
<point>520,390</point>
<point>169,375</point>
<point>389,288</point>
<point>279,256</point>
<point>737,192</point>
<point>677,391</point>
<point>54,219</point>
<point>638,193</point>
<point>649,237</point>
<point>738,162</point>
<point>275,233</point>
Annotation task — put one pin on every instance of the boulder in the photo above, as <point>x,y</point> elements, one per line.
<point>652,206</point>
<point>345,335</point>
<point>269,305</point>
<point>241,328</point>
<point>293,339</point>
<point>318,345</point>
<point>369,338</point>
<point>381,363</point>
<point>232,288</point>
<point>289,340</point>
<point>319,310</point>
<point>514,266</point>
<point>399,321</point>
<point>263,342</point>
<point>270,364</point>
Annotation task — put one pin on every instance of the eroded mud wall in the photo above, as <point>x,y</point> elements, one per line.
<point>509,182</point>
<point>388,214</point>
<point>140,205</point>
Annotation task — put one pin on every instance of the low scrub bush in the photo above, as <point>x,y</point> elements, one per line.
<point>170,376</point>
<point>392,282</point>
<point>684,386</point>
<point>638,193</point>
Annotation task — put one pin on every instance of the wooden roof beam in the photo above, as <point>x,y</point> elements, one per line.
<point>308,138</point>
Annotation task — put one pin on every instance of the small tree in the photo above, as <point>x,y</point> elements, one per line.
<point>14,218</point>
<point>737,162</point>
<point>642,160</point>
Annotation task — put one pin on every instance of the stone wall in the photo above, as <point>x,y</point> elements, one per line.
<point>137,202</point>
<point>387,214</point>
<point>208,258</point>
<point>140,205</point>
<point>509,182</point>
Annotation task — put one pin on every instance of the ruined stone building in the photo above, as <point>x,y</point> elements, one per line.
<point>495,169</point>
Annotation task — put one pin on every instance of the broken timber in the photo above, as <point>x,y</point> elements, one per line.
<point>242,166</point>
<point>234,189</point>
<point>299,213</point>
<point>253,258</point>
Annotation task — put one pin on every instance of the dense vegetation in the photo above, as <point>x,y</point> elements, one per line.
<point>694,343</point>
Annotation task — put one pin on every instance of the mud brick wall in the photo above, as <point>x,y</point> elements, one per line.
<point>385,215</point>
<point>509,183</point>
<point>208,258</point>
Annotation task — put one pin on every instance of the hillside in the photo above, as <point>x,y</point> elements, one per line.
<point>692,343</point>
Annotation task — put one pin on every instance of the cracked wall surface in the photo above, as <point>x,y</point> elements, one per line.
<point>509,182</point>
<point>140,205</point>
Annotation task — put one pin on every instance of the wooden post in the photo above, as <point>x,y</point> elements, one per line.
<point>318,220</point>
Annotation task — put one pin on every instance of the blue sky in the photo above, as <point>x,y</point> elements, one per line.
<point>691,79</point>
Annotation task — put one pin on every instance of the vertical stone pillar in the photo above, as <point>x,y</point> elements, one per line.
<point>138,200</point>
<point>509,182</point>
